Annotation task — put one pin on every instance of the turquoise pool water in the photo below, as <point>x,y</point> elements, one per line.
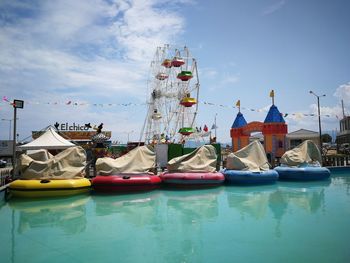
<point>286,222</point>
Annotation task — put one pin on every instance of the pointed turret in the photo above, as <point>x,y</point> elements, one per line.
<point>239,139</point>
<point>274,116</point>
<point>274,131</point>
<point>239,121</point>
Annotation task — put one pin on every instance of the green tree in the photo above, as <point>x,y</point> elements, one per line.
<point>326,138</point>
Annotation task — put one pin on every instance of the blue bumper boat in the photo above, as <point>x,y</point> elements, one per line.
<point>249,177</point>
<point>308,173</point>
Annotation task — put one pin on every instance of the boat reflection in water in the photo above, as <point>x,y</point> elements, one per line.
<point>250,201</point>
<point>307,196</point>
<point>68,214</point>
<point>139,209</point>
<point>189,214</point>
<point>195,205</point>
<point>295,199</point>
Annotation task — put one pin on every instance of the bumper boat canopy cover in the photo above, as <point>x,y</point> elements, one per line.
<point>68,164</point>
<point>197,168</point>
<point>249,165</point>
<point>302,163</point>
<point>139,160</point>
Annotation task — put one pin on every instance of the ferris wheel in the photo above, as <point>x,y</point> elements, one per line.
<point>173,89</point>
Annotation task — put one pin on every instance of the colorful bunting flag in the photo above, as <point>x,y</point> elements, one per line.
<point>6,100</point>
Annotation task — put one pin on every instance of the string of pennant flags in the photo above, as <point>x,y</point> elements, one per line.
<point>8,101</point>
<point>264,110</point>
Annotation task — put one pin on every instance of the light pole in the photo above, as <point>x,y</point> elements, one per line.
<point>319,116</point>
<point>9,120</point>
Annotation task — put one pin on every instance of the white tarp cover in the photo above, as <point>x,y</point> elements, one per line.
<point>39,155</point>
<point>250,158</point>
<point>139,160</point>
<point>50,139</point>
<point>306,153</point>
<point>67,164</point>
<point>203,159</point>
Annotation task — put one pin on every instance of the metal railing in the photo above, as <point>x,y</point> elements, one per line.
<point>5,174</point>
<point>336,161</point>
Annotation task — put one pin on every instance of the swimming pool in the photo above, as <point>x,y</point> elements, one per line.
<point>285,222</point>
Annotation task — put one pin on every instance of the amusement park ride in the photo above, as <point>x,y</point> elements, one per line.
<point>173,87</point>
<point>274,130</point>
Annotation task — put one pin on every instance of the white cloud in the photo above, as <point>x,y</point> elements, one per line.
<point>88,43</point>
<point>264,109</point>
<point>343,92</point>
<point>335,111</point>
<point>330,116</point>
<point>230,79</point>
<point>274,7</point>
<point>302,119</point>
<point>145,26</point>
<point>82,50</point>
<point>207,72</point>
<point>220,79</point>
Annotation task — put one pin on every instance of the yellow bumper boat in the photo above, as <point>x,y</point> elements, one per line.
<point>49,188</point>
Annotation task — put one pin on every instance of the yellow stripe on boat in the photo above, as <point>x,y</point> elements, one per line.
<point>49,188</point>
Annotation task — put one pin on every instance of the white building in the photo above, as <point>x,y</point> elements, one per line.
<point>297,137</point>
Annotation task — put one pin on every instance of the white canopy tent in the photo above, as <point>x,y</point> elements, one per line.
<point>50,139</point>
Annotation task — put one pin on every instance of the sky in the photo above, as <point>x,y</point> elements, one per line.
<point>89,61</point>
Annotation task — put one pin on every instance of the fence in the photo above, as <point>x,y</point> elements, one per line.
<point>336,160</point>
<point>4,174</point>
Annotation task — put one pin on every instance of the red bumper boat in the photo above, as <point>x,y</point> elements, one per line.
<point>193,179</point>
<point>125,183</point>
